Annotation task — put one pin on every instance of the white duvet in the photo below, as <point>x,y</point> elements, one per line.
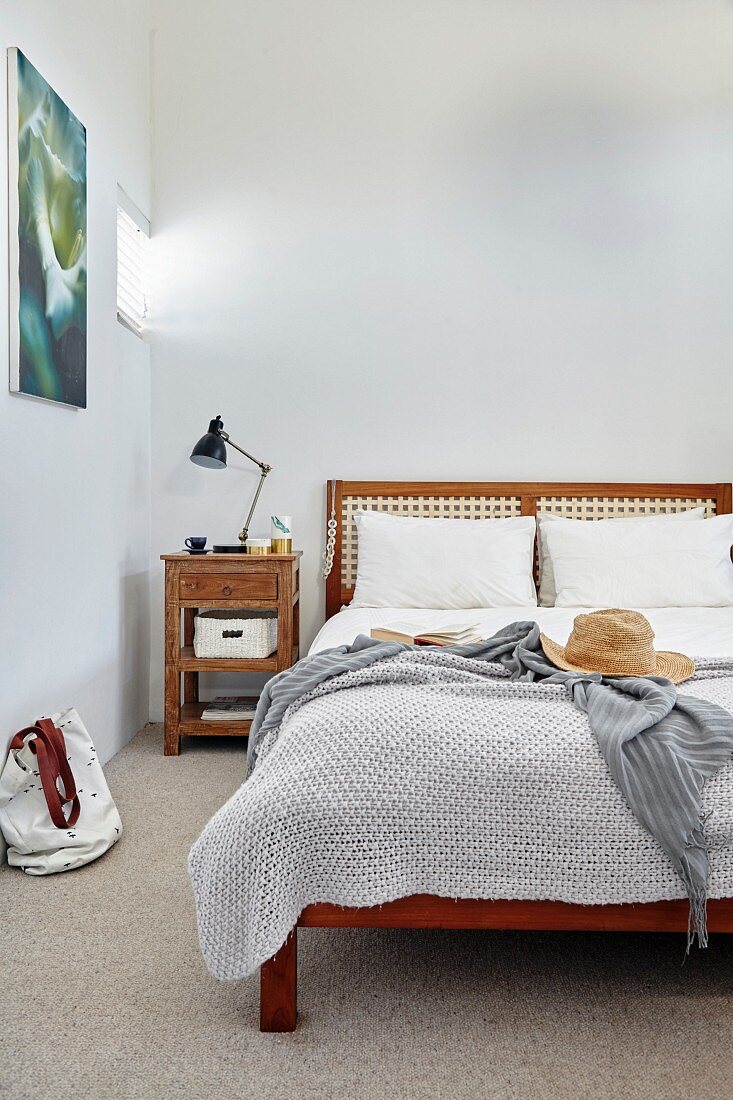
<point>696,631</point>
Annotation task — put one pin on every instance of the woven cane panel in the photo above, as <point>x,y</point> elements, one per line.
<point>617,507</point>
<point>422,507</point>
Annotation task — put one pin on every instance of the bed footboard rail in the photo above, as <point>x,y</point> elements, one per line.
<point>430,911</point>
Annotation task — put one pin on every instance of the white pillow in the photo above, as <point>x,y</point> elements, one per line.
<point>642,564</point>
<point>407,561</point>
<point>547,573</point>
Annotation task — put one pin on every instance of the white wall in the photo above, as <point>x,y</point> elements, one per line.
<point>75,485</point>
<point>436,239</point>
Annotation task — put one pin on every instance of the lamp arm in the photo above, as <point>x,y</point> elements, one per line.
<point>262,465</point>
<point>244,533</point>
<point>264,471</point>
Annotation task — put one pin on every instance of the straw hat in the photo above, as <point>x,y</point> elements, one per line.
<point>616,643</point>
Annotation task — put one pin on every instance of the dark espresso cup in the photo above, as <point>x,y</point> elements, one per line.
<point>196,542</point>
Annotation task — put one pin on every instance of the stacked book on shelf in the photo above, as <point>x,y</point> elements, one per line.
<point>230,708</point>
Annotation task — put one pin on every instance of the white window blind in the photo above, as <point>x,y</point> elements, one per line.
<point>133,231</point>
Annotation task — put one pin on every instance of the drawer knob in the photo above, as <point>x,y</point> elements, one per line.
<point>227,590</point>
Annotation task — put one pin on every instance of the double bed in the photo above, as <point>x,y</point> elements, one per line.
<point>495,845</point>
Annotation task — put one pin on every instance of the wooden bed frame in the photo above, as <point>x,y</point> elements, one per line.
<point>278,980</point>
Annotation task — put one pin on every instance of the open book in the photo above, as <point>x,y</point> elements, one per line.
<point>409,634</point>
<point>229,708</point>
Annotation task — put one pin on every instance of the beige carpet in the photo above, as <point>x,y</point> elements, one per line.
<point>104,994</point>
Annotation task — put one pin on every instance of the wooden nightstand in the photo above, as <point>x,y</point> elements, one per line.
<point>222,581</point>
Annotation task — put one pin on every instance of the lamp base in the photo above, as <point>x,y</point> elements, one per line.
<point>231,548</point>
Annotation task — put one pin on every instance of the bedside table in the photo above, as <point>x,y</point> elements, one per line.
<point>222,581</point>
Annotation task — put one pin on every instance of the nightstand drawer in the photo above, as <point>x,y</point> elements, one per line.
<point>225,586</point>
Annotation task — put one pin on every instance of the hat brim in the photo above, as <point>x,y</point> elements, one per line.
<point>674,666</point>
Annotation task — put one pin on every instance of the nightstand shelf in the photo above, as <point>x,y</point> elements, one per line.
<point>188,662</point>
<point>233,581</point>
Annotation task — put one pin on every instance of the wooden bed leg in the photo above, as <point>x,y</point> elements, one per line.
<point>279,988</point>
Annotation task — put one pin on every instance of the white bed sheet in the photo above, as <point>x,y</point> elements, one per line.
<point>696,631</point>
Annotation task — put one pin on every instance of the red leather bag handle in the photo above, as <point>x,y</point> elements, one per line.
<point>49,747</point>
<point>58,746</point>
<point>58,769</point>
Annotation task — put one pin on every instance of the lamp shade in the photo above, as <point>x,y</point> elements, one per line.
<point>211,451</point>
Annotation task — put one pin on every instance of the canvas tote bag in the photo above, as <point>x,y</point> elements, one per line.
<point>56,812</point>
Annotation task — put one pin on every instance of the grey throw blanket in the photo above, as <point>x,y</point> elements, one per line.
<point>659,746</point>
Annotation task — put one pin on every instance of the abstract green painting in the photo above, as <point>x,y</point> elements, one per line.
<point>47,240</point>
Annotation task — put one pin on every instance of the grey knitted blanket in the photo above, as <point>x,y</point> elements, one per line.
<point>385,771</point>
<point>659,746</point>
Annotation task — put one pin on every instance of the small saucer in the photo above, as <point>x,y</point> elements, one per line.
<point>188,550</point>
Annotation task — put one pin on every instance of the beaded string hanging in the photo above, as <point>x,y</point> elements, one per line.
<point>330,537</point>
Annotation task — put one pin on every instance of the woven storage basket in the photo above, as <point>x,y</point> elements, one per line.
<point>227,634</point>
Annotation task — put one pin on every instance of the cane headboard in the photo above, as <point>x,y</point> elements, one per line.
<point>496,500</point>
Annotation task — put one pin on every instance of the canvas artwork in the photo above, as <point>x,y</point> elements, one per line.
<point>47,237</point>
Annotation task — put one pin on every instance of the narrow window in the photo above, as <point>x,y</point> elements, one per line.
<point>133,231</point>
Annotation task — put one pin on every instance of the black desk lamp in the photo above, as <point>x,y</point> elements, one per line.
<point>210,451</point>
